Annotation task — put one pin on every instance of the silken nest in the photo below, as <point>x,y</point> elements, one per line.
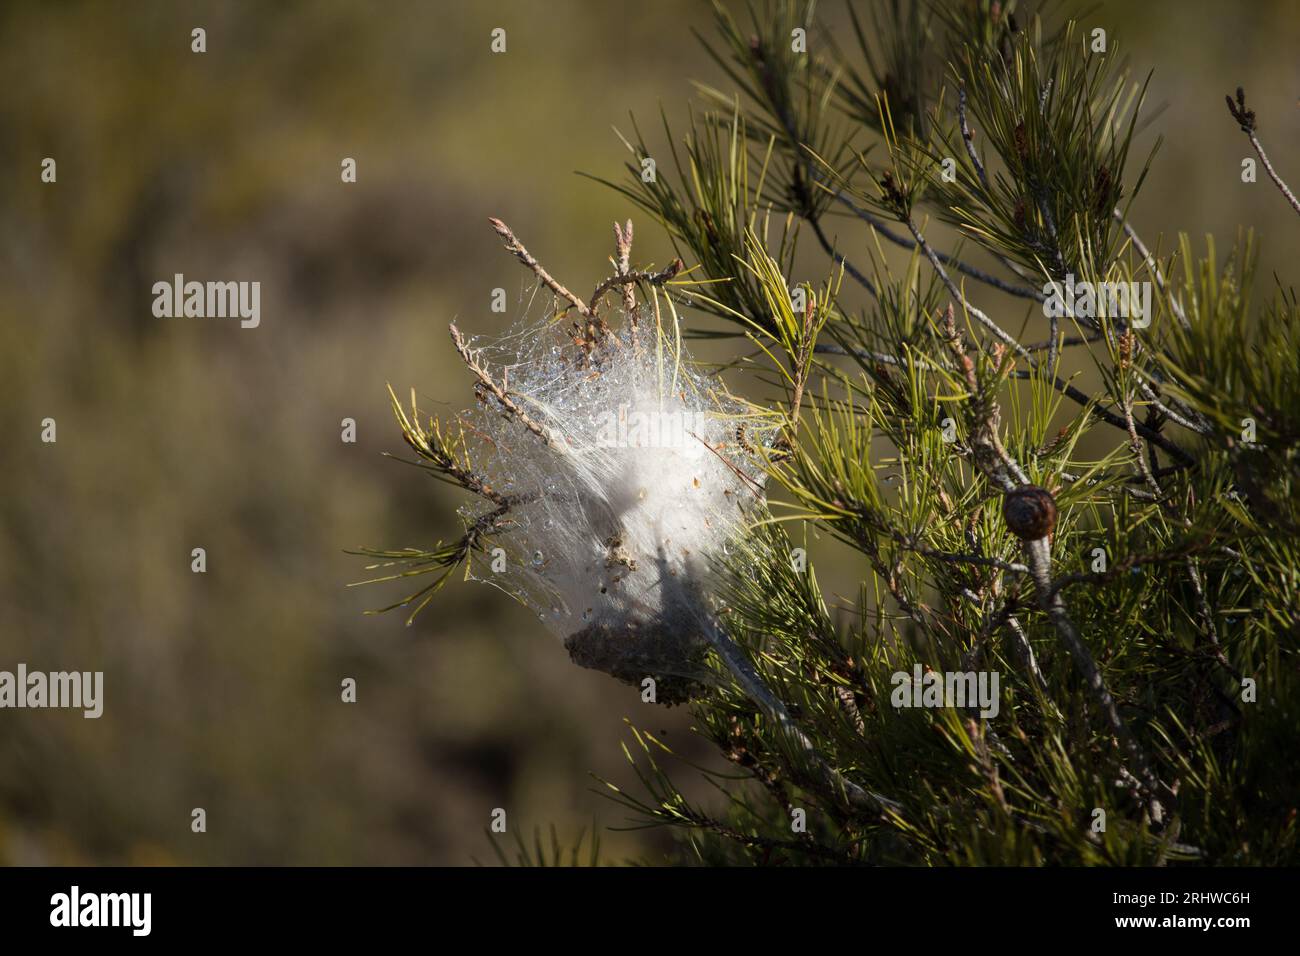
<point>612,478</point>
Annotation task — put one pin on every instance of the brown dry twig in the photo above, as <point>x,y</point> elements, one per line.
<point>510,408</point>
<point>514,246</point>
<point>623,250</point>
<point>1246,119</point>
<point>627,279</point>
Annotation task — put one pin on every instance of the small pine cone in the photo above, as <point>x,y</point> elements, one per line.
<point>1030,512</point>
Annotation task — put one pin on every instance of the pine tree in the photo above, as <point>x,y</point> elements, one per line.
<point>1041,474</point>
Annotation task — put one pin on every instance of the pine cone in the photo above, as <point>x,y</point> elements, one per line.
<point>1030,512</point>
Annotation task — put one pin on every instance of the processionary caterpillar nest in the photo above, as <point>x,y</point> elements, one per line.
<point>647,476</point>
<point>630,476</point>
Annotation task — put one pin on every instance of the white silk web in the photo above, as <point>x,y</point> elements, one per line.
<point>650,472</point>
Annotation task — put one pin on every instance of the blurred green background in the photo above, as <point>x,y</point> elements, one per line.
<point>222,689</point>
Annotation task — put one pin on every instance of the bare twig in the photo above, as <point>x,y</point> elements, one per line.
<point>516,247</point>
<point>1135,443</point>
<point>1246,118</point>
<point>623,252</point>
<point>1197,423</point>
<point>628,279</point>
<point>1065,343</point>
<point>979,275</point>
<point>1026,654</point>
<point>990,454</point>
<point>1039,555</point>
<point>489,385</point>
<point>827,348</point>
<point>839,260</point>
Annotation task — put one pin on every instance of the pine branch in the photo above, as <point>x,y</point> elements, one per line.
<point>1069,391</point>
<point>1006,473</point>
<point>748,679</point>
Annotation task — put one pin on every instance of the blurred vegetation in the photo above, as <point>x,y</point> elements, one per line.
<point>222,689</point>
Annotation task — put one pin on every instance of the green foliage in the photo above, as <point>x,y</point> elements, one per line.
<point>913,407</point>
<point>446,458</point>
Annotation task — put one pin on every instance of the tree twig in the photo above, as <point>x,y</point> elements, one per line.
<point>1039,555</point>
<point>839,260</point>
<point>510,408</point>
<point>623,255</point>
<point>514,246</point>
<point>1246,118</point>
<point>628,279</point>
